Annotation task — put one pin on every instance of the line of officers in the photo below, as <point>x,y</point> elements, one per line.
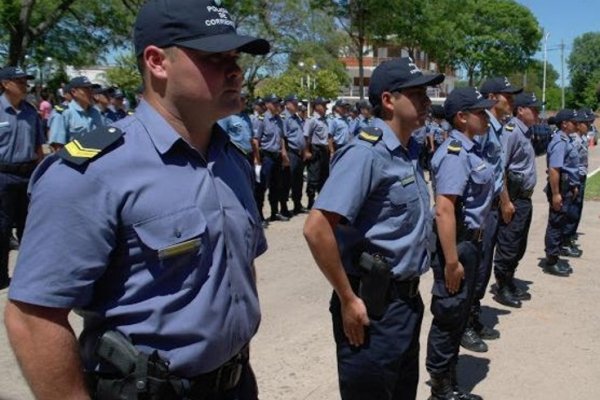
<point>373,233</point>
<point>281,142</point>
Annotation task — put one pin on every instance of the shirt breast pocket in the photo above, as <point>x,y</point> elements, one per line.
<point>175,241</point>
<point>4,135</point>
<point>404,201</point>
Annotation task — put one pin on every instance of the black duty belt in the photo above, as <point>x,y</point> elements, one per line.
<point>471,235</point>
<point>270,154</point>
<point>24,169</point>
<point>404,289</point>
<point>224,378</point>
<point>526,194</point>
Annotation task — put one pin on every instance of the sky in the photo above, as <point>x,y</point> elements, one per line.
<point>565,20</point>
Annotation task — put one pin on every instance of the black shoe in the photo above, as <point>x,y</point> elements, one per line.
<point>14,243</point>
<point>287,214</point>
<point>505,297</point>
<point>460,395</point>
<point>487,333</point>
<point>570,251</point>
<point>264,223</point>
<point>300,210</point>
<point>471,341</point>
<point>517,292</point>
<point>278,217</point>
<point>551,267</point>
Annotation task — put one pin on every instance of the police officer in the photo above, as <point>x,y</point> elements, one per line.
<point>375,206</point>
<point>339,125</point>
<point>502,92</point>
<point>117,103</point>
<point>258,114</point>
<point>295,144</point>
<point>271,156</point>
<point>579,137</point>
<point>318,150</point>
<point>364,119</point>
<point>519,162</point>
<point>102,104</point>
<point>79,117</point>
<point>239,128</point>
<point>563,182</point>
<point>22,133</point>
<point>463,186</point>
<point>152,234</point>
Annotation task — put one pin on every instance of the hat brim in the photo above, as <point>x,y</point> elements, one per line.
<point>18,76</point>
<point>509,91</point>
<point>423,80</point>
<point>482,104</point>
<point>535,104</point>
<point>228,42</point>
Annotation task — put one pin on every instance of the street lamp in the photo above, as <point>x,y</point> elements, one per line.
<point>310,84</point>
<point>47,61</point>
<point>544,80</point>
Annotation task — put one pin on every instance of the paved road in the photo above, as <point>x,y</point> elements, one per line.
<point>549,349</point>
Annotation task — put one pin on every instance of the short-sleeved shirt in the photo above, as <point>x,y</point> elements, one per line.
<point>379,190</point>
<point>269,132</point>
<point>581,145</point>
<point>155,242</point>
<point>293,128</point>
<point>519,152</point>
<point>239,130</point>
<point>21,132</point>
<point>108,115</point>
<point>491,148</point>
<point>563,155</point>
<point>420,134</point>
<point>74,121</point>
<point>340,130</point>
<point>361,123</point>
<point>316,130</point>
<point>460,170</point>
<point>119,113</point>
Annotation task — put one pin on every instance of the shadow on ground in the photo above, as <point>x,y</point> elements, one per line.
<point>471,371</point>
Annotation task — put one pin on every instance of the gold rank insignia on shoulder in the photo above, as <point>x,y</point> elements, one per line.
<point>89,145</point>
<point>371,134</point>
<point>454,147</point>
<point>509,127</point>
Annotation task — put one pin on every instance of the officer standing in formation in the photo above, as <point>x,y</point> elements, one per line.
<point>117,103</point>
<point>339,126</point>
<point>271,156</point>
<point>159,252</point>
<point>369,232</point>
<point>318,149</point>
<point>501,91</point>
<point>239,128</point>
<point>463,185</point>
<point>22,133</point>
<point>519,163</point>
<point>103,105</point>
<point>293,179</point>
<point>79,117</point>
<point>364,119</point>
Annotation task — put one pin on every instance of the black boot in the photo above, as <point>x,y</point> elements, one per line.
<point>569,250</point>
<point>551,267</point>
<point>441,387</point>
<point>458,393</point>
<point>517,292</point>
<point>503,294</point>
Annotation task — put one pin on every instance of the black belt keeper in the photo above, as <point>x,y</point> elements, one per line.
<point>404,289</point>
<point>21,169</point>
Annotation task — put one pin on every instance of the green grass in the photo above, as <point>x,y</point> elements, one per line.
<point>592,188</point>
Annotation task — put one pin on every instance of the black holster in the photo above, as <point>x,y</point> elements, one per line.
<point>374,283</point>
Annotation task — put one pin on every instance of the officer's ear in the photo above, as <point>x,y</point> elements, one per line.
<point>460,120</point>
<point>154,59</point>
<point>387,104</point>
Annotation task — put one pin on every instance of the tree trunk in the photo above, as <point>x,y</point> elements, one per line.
<point>361,67</point>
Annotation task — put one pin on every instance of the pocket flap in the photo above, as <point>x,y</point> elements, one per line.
<point>162,232</point>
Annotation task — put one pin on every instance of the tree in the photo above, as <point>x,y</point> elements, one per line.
<point>489,38</point>
<point>125,74</point>
<point>584,64</point>
<point>532,79</point>
<point>71,31</point>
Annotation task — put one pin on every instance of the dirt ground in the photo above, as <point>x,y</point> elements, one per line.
<point>548,350</point>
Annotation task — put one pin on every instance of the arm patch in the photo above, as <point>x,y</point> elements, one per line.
<point>370,134</point>
<point>454,147</point>
<point>90,145</point>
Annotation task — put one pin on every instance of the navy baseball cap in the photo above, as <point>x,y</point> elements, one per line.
<point>14,73</point>
<point>291,97</point>
<point>342,103</point>
<point>590,116</point>
<point>499,85</point>
<point>320,100</point>
<point>102,90</point>
<point>195,24</point>
<point>272,98</point>
<point>465,99</point>
<point>398,74</point>
<point>525,99</point>
<point>81,82</point>
<point>117,93</point>
<point>437,111</point>
<point>566,114</point>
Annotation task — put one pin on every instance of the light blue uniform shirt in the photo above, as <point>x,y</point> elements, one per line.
<point>293,129</point>
<point>581,145</point>
<point>269,132</point>
<point>519,152</point>
<point>75,120</point>
<point>239,130</point>
<point>361,123</point>
<point>156,242</point>
<point>316,130</point>
<point>491,148</point>
<point>563,155</point>
<point>380,191</point>
<point>340,130</point>
<point>464,174</point>
<point>21,132</point>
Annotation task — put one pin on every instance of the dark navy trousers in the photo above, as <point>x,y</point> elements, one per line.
<point>13,212</point>
<point>450,312</point>
<point>271,175</point>
<point>484,269</point>
<point>558,221</point>
<point>293,179</point>
<point>317,170</point>
<point>511,241</point>
<point>577,211</point>
<point>386,366</point>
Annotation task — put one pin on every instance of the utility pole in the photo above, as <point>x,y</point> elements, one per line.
<point>562,72</point>
<point>544,81</point>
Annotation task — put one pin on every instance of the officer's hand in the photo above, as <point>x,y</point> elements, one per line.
<point>307,156</point>
<point>575,192</point>
<point>285,160</point>
<point>557,202</point>
<point>508,211</point>
<point>454,274</point>
<point>354,317</point>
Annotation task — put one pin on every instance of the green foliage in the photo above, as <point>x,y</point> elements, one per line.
<point>584,67</point>
<point>323,82</point>
<point>125,74</point>
<point>533,77</point>
<point>592,188</point>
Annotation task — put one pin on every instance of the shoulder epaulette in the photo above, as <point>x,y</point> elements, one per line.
<point>130,112</point>
<point>454,147</point>
<point>58,109</point>
<point>261,117</point>
<point>509,127</point>
<point>370,134</point>
<point>90,145</point>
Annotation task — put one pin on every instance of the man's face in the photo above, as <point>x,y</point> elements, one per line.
<point>505,103</point>
<point>292,107</point>
<point>117,102</point>
<point>477,121</point>
<point>569,126</point>
<point>16,87</point>
<point>529,115</point>
<point>583,128</point>
<point>365,112</point>
<point>320,109</point>
<point>83,96</point>
<point>102,100</point>
<point>211,81</point>
<point>411,107</point>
